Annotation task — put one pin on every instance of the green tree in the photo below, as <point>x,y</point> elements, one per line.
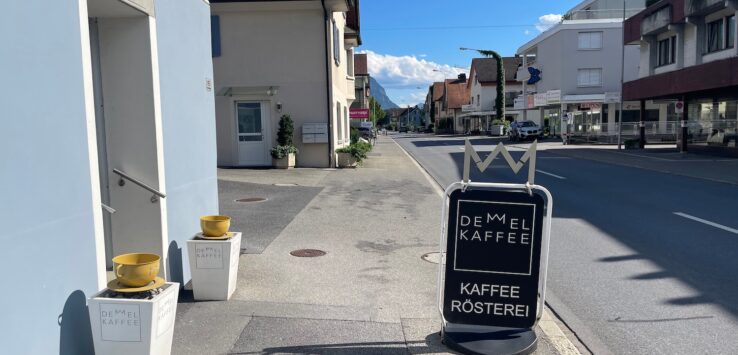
<point>376,114</point>
<point>500,100</point>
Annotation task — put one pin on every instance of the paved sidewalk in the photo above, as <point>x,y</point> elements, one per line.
<point>371,293</point>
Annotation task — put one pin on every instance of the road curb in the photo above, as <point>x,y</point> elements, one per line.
<point>548,325</point>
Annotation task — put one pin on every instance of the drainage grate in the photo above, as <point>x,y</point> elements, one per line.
<point>252,199</point>
<point>307,253</point>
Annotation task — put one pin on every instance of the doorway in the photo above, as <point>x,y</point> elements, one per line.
<point>253,133</point>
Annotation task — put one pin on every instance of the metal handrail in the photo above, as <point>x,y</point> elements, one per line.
<point>124,176</point>
<point>107,208</point>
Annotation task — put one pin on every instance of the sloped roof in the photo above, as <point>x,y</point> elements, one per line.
<point>486,68</point>
<point>360,66</point>
<point>457,93</point>
<point>437,90</point>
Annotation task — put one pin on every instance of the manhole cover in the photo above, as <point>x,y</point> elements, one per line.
<point>285,185</point>
<point>251,199</point>
<point>307,253</point>
<point>434,257</point>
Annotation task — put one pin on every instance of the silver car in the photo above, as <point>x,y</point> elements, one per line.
<point>524,130</point>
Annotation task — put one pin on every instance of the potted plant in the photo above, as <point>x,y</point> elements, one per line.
<point>283,154</point>
<point>352,155</point>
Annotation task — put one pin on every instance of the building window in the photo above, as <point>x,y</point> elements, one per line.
<point>472,100</point>
<point>336,44</point>
<point>666,51</point>
<point>730,31</point>
<point>590,40</point>
<point>715,36</point>
<point>350,62</point>
<point>478,102</point>
<point>215,35</point>
<point>589,77</point>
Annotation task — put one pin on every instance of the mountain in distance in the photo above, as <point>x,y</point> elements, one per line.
<point>380,95</point>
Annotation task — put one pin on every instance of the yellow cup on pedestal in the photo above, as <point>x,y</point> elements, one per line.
<point>215,226</point>
<point>136,269</point>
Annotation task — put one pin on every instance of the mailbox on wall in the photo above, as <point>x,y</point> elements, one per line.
<point>315,133</point>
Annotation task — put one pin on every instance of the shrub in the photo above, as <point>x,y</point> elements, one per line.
<point>354,135</point>
<point>286,130</point>
<point>285,144</point>
<point>357,150</point>
<point>282,151</point>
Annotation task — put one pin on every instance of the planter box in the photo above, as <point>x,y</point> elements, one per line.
<point>287,162</point>
<point>497,130</point>
<point>346,160</point>
<point>214,267</point>
<point>134,326</point>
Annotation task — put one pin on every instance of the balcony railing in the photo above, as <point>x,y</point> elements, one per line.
<point>656,21</point>
<point>601,14</point>
<point>700,7</point>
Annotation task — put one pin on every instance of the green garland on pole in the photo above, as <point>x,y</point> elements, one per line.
<point>500,100</point>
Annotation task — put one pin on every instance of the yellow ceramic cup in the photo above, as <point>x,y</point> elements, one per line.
<point>136,269</point>
<point>215,226</point>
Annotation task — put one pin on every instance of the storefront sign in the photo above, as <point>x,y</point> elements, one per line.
<point>553,97</point>
<point>467,108</point>
<point>367,124</point>
<point>594,106</point>
<point>612,97</point>
<point>358,113</point>
<point>493,258</point>
<point>530,101</point>
<point>519,103</point>
<point>539,99</point>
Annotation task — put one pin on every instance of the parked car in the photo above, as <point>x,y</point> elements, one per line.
<point>403,129</point>
<point>523,130</point>
<point>366,133</point>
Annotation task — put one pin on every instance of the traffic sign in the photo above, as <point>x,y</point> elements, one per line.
<point>493,258</point>
<point>679,107</point>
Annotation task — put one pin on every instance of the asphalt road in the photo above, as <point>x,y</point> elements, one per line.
<point>626,272</point>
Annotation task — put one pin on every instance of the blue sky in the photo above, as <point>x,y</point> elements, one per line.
<point>407,39</point>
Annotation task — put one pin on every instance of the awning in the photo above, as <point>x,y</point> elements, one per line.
<point>575,99</point>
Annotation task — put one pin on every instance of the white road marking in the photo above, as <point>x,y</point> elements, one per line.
<point>549,174</point>
<point>709,223</point>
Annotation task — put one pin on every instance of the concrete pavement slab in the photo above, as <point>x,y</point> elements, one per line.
<point>266,335</point>
<point>261,222</point>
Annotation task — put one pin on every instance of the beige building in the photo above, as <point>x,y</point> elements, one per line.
<point>273,58</point>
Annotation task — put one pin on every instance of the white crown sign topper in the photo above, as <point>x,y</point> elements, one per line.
<point>529,157</point>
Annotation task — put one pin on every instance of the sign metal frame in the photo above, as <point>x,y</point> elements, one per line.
<point>529,187</point>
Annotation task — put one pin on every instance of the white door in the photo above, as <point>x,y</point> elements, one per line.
<point>252,121</point>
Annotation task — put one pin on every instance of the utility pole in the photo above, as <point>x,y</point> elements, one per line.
<point>622,81</point>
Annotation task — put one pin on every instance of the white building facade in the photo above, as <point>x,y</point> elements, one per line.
<point>283,57</point>
<point>576,68</point>
<point>127,89</point>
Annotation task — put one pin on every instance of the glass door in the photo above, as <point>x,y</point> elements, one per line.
<point>252,121</point>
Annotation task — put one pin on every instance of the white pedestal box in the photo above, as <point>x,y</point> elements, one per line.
<point>214,267</point>
<point>134,326</point>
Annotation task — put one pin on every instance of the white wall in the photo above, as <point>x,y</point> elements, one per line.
<point>188,123</point>
<point>132,121</point>
<point>48,178</point>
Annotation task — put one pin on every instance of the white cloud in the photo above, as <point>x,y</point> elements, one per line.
<point>547,21</point>
<point>408,72</point>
